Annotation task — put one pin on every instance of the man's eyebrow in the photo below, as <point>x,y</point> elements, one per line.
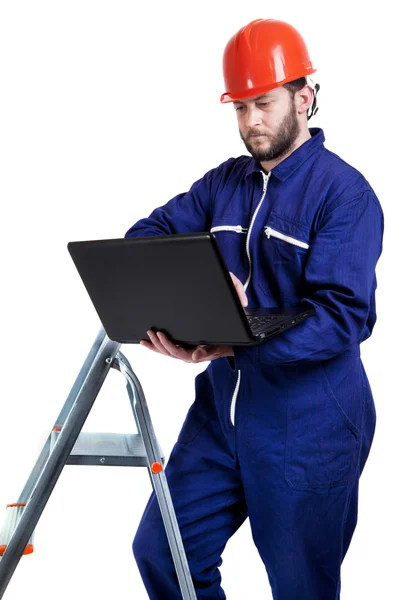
<point>263,96</point>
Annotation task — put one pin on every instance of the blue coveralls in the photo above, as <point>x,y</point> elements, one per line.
<point>281,432</point>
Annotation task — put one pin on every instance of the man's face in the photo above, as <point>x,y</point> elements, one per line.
<point>268,124</point>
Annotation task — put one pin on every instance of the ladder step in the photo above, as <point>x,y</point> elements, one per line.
<point>108,449</point>
<point>13,515</point>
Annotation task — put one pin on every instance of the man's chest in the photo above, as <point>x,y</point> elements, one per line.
<point>265,232</point>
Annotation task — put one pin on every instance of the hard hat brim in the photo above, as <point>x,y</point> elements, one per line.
<point>254,92</point>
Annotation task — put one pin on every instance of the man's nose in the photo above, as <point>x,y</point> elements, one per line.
<point>253,117</point>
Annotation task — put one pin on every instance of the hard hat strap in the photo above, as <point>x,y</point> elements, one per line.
<point>314,107</point>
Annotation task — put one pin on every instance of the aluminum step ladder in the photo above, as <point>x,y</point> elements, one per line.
<point>66,444</point>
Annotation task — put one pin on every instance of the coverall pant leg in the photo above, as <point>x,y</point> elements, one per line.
<point>303,436</point>
<point>208,498</point>
<point>291,462</point>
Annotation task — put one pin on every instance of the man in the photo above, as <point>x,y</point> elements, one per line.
<point>278,432</point>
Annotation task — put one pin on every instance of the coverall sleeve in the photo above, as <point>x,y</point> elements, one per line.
<point>185,213</point>
<point>339,282</point>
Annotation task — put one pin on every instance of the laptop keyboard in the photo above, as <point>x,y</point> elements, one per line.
<point>257,322</point>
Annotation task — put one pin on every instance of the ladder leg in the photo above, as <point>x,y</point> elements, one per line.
<point>50,464</point>
<point>159,481</point>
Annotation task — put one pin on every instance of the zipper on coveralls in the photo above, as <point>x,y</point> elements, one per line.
<point>236,228</point>
<point>269,232</point>
<point>266,178</point>
<point>236,391</point>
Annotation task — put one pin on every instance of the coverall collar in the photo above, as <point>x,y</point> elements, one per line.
<point>295,160</point>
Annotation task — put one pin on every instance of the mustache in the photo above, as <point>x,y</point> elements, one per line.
<point>255,132</point>
<point>246,136</point>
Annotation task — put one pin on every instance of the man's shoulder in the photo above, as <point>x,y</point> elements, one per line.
<point>343,183</point>
<point>344,180</point>
<point>235,164</point>
<point>337,168</point>
<point>230,172</point>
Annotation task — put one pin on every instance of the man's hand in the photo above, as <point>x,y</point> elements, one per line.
<point>160,343</point>
<point>239,289</point>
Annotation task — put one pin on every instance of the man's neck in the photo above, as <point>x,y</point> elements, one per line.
<point>268,165</point>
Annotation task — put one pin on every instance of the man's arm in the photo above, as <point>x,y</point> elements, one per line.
<point>185,213</point>
<point>339,283</point>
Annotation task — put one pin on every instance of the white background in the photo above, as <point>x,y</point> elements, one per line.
<point>108,109</point>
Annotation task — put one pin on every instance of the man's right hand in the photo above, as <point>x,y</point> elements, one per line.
<point>239,289</point>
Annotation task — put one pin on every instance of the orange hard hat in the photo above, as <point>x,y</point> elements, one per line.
<point>261,56</point>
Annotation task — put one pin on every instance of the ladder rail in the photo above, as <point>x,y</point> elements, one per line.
<point>66,409</point>
<point>79,403</point>
<point>103,355</point>
<point>159,480</point>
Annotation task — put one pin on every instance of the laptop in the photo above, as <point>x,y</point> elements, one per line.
<point>178,284</point>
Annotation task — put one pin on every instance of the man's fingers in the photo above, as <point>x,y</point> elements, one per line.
<point>203,353</point>
<point>239,289</point>
<point>171,348</point>
<point>149,346</point>
<point>160,343</point>
<point>163,345</point>
<point>156,343</point>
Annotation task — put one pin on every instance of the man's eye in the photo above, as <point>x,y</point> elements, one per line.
<point>263,104</point>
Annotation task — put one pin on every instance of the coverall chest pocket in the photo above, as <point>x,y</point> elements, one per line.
<point>285,253</point>
<point>322,444</point>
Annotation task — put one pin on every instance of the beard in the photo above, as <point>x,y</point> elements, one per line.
<point>281,142</point>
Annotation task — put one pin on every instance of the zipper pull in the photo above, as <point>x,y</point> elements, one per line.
<point>265,182</point>
<point>268,232</point>
<point>265,178</point>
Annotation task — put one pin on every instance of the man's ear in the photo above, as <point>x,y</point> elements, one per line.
<point>303,99</point>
